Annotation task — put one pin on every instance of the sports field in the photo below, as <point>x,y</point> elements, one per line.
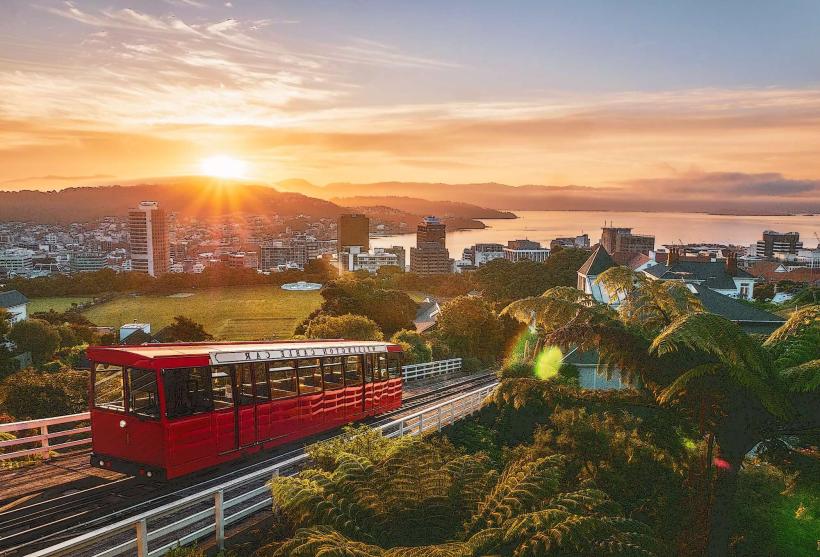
<point>235,313</point>
<point>57,303</point>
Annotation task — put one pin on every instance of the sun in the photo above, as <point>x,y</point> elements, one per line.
<point>223,166</point>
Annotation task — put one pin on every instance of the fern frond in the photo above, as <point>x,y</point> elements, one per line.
<point>745,361</point>
<point>326,542</point>
<point>804,378</point>
<point>522,486</point>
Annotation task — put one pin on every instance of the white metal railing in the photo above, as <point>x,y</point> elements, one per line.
<point>44,448</point>
<point>412,372</point>
<point>44,437</point>
<point>208,513</point>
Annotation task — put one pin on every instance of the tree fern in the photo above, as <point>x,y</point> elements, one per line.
<point>580,523</point>
<point>522,486</point>
<point>798,340</point>
<point>804,378</point>
<point>743,360</point>
<point>320,541</point>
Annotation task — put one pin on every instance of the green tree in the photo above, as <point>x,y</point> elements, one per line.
<point>351,327</point>
<point>392,310</point>
<point>416,349</point>
<point>68,336</point>
<point>504,281</point>
<point>470,328</point>
<point>35,336</point>
<point>184,329</point>
<point>31,394</point>
<point>706,365</point>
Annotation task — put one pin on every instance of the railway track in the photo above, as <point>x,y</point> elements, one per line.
<point>39,525</point>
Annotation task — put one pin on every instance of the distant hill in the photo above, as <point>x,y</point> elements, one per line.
<point>418,206</point>
<point>188,196</point>
<point>554,198</point>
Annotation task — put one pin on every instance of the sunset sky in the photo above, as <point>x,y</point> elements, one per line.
<point>556,93</point>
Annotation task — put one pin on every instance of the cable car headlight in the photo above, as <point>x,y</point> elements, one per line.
<point>122,423</point>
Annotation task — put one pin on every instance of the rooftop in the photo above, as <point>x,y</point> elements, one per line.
<point>731,309</point>
<point>12,298</point>
<point>597,263</point>
<point>711,273</point>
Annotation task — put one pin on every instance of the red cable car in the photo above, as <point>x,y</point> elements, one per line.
<point>166,410</point>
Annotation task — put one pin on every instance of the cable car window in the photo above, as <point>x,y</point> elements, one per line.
<point>282,378</point>
<point>394,366</point>
<point>187,391</point>
<point>221,387</point>
<point>244,383</point>
<point>381,361</point>
<point>333,372</point>
<point>260,380</point>
<point>371,371</point>
<point>109,392</point>
<point>142,392</point>
<point>310,376</point>
<point>353,371</point>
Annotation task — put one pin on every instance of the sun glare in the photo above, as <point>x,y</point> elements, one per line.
<point>222,166</point>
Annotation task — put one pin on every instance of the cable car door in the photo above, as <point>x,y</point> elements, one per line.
<point>245,409</point>
<point>371,374</point>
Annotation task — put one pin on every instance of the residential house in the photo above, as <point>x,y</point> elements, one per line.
<point>722,276</point>
<point>16,304</point>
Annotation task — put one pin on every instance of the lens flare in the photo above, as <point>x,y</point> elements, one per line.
<point>548,363</point>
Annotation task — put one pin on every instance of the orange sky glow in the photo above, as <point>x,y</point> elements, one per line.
<point>120,93</point>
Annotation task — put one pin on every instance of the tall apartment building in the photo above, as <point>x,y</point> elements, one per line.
<point>778,243</point>
<point>615,239</point>
<point>353,230</point>
<point>431,231</point>
<point>148,231</point>
<point>430,256</point>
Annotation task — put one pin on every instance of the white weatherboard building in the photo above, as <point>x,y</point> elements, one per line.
<point>16,304</point>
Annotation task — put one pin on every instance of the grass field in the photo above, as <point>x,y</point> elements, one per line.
<point>236,313</point>
<point>57,303</point>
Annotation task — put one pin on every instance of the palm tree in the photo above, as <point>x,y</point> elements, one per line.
<point>742,392</point>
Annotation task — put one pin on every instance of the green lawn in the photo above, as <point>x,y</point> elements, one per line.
<point>235,313</point>
<point>57,303</point>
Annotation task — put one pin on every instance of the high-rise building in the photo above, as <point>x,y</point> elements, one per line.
<point>353,230</point>
<point>778,243</point>
<point>430,256</point>
<point>431,231</point>
<point>148,231</point>
<point>622,240</point>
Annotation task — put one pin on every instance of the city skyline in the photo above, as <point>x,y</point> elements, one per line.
<point>675,101</point>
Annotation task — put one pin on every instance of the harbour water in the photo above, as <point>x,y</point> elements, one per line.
<point>668,228</point>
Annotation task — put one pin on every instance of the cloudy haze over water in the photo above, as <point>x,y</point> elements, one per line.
<point>667,99</point>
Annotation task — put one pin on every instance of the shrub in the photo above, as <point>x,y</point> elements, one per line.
<point>515,368</point>
<point>31,394</point>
